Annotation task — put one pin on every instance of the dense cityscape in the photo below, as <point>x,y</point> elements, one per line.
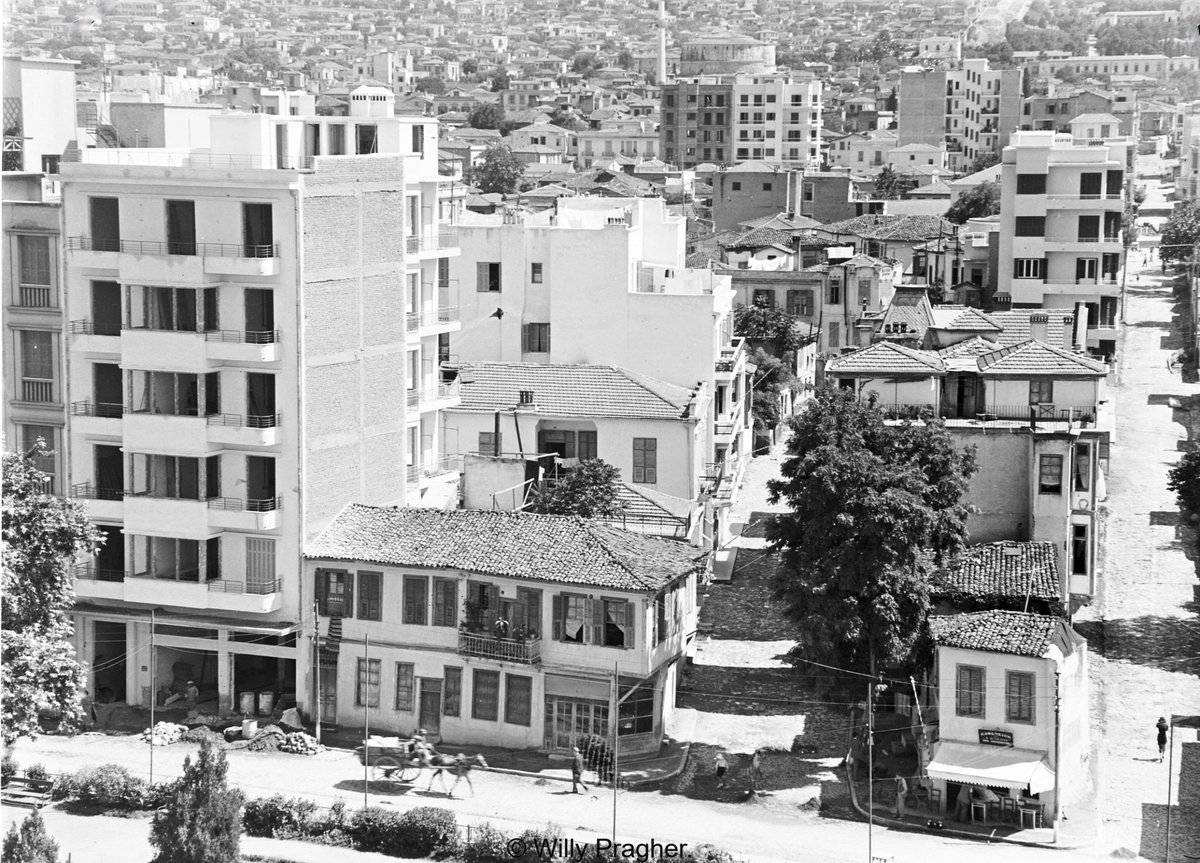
<point>495,430</point>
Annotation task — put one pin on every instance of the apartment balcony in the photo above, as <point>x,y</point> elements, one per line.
<point>439,397</point>
<point>146,348</point>
<point>196,592</point>
<point>185,518</point>
<point>236,514</point>
<point>1103,286</point>
<point>439,319</point>
<point>731,361</point>
<point>101,503</point>
<point>180,263</point>
<point>483,646</point>
<point>243,346</point>
<point>1096,203</point>
<point>95,338</point>
<point>244,429</point>
<point>143,431</point>
<point>93,582</point>
<point>1074,243</point>
<point>1081,415</point>
<point>96,419</point>
<point>440,243</point>
<point>245,596</point>
<point>724,430</point>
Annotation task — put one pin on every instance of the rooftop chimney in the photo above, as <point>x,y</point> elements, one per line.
<point>525,399</point>
<point>1039,326</point>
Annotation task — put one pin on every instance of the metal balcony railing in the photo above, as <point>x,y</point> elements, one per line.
<point>234,504</point>
<point>413,396</point>
<point>1085,414</point>
<point>86,327</point>
<point>35,297</point>
<point>88,491</point>
<point>36,390</point>
<point>153,158</point>
<point>254,588</point>
<point>1097,196</point>
<point>250,337</point>
<point>525,652</point>
<point>250,421</point>
<point>431,242</point>
<point>157,247</point>
<point>723,428</point>
<point>97,409</point>
<point>92,572</point>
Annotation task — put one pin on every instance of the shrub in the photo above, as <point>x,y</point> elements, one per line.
<point>485,844</point>
<point>1184,480</point>
<point>30,843</point>
<point>708,854</point>
<point>37,772</point>
<point>279,816</point>
<point>539,840</point>
<point>8,767</point>
<point>202,821</point>
<point>425,830</point>
<point>374,828</point>
<point>110,786</point>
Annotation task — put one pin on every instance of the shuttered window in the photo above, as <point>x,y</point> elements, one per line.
<point>645,460</point>
<point>485,694</point>
<point>370,595</point>
<point>602,622</point>
<point>416,599</point>
<point>367,683</point>
<point>334,592</point>
<point>404,686</point>
<point>518,699</point>
<point>452,691</point>
<point>445,602</point>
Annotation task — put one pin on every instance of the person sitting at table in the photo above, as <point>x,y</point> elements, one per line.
<point>983,794</point>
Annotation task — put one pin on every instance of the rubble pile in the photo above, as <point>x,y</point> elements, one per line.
<point>267,739</point>
<point>299,743</point>
<point>201,733</point>
<point>164,734</point>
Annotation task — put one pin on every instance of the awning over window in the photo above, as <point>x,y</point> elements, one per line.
<point>998,766</point>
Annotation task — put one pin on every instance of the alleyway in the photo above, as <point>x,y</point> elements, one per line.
<point>1144,630</point>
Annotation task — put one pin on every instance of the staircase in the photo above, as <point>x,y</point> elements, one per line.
<point>26,793</point>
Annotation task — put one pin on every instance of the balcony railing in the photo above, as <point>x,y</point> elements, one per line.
<point>154,158</point>
<point>250,337</point>
<point>1096,196</point>
<point>97,409</point>
<point>1085,414</point>
<point>85,327</point>
<point>260,588</point>
<point>92,572</point>
<point>445,464</point>
<point>155,247</point>
<point>236,504</point>
<point>35,297</point>
<point>431,242</point>
<point>35,390</point>
<point>88,491</point>
<point>1091,238</point>
<point>414,396</point>
<point>526,652</point>
<point>249,421</point>
<point>723,428</point>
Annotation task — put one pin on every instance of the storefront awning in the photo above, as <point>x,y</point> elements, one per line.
<point>997,766</point>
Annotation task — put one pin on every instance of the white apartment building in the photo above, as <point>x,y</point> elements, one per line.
<point>243,321</point>
<point>603,281</point>
<point>1062,202</point>
<point>776,118</point>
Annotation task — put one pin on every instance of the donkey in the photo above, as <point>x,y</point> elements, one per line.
<point>458,765</point>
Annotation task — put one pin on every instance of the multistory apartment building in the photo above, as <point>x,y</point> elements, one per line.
<point>1157,66</point>
<point>973,109</point>
<point>39,114</point>
<point>774,118</point>
<point>603,281</point>
<point>1061,207</point>
<point>253,344</point>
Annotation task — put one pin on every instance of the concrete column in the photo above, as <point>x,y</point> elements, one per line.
<point>137,663</point>
<point>225,681</point>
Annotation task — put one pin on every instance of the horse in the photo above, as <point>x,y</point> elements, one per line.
<point>459,765</point>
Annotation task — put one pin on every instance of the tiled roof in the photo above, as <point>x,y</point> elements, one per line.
<point>571,390</point>
<point>1003,570</point>
<point>909,306</point>
<point>995,631</point>
<point>1038,358</point>
<point>562,549</point>
<point>971,347</point>
<point>644,501</point>
<point>897,229</point>
<point>963,318</point>
<point>888,358</point>
<point>757,238</point>
<point>1016,326</point>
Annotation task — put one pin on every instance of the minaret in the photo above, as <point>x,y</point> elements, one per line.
<point>662,42</point>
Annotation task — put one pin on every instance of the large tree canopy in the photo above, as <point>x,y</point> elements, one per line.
<point>766,325</point>
<point>983,200</point>
<point>498,170</point>
<point>1181,233</point>
<point>590,490</point>
<point>874,507</point>
<point>42,534</point>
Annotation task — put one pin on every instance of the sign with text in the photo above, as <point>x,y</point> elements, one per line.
<point>995,737</point>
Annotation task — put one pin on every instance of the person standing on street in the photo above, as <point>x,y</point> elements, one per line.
<point>722,766</point>
<point>756,770</point>
<point>192,696</point>
<point>1162,727</point>
<point>577,771</point>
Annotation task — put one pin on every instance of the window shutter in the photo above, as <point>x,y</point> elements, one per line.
<point>546,338</point>
<point>493,597</point>
<point>556,631</point>
<point>630,626</point>
<point>596,615</point>
<point>349,609</point>
<point>481,276</point>
<point>525,337</point>
<point>321,589</point>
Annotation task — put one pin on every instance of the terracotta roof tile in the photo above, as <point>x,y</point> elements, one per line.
<point>1002,570</point>
<point>887,357</point>
<point>996,631</point>
<point>1037,358</point>
<point>1016,326</point>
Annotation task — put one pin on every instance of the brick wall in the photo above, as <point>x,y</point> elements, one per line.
<point>332,400</point>
<point>385,455</point>
<point>383,297</point>
<point>331,316</point>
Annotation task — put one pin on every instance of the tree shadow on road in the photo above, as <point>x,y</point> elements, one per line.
<point>1168,643</point>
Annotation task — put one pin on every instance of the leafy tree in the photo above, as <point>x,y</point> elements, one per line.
<point>584,62</point>
<point>625,59</point>
<point>887,184</point>
<point>489,115</point>
<point>1184,480</point>
<point>202,820</point>
<point>42,535</point>
<point>772,376</point>
<point>881,46</point>
<point>566,118</point>
<point>1180,233</point>
<point>432,86</point>
<point>29,842</point>
<point>590,491</point>
<point>874,508</point>
<point>983,200</point>
<point>498,170</point>
<point>470,66</point>
<point>500,81</point>
<point>767,325</point>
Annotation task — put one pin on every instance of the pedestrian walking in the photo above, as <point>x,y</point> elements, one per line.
<point>192,696</point>
<point>756,769</point>
<point>901,794</point>
<point>1162,727</point>
<point>962,804</point>
<point>722,766</point>
<point>577,771</point>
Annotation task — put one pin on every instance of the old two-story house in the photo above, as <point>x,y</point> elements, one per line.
<point>1013,715</point>
<point>498,628</point>
<point>1037,416</point>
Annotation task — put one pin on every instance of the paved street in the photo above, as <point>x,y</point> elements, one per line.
<point>1144,631</point>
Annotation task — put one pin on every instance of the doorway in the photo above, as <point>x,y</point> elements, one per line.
<point>108,662</point>
<point>429,715</point>
<point>328,694</point>
<point>570,719</point>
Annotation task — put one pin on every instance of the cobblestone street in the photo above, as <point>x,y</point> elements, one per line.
<point>1143,630</point>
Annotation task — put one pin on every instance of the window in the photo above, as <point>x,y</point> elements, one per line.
<point>1081,472</point>
<point>1089,229</point>
<point>535,273</point>
<point>1085,270</point>
<point>366,683</point>
<point>1090,184</point>
<point>535,338</point>
<point>416,592</point>
<point>445,602</point>
<point>864,291</point>
<point>664,605</point>
<point>766,187</point>
<point>1031,184</point>
<point>835,334</point>
<point>636,713</point>
<point>487,276</point>
<point>764,297</point>
<point>737,187</point>
<point>334,592</point>
<point>1030,226</point>
<point>587,445</point>
<point>404,686</point>
<point>418,139</point>
<point>258,232</point>
<point>969,695</point>
<point>34,257</point>
<point>602,622</point>
<point>370,595</point>
<point>489,443</point>
<point>1050,469</point>
<point>105,220</point>
<point>572,618</point>
<point>1018,697</point>
<point>451,691</point>
<point>1079,549</point>
<point>799,302</point>
<point>645,460</point>
<point>485,694</point>
<point>518,699</point>
<point>835,293</point>
<point>1041,392</point>
<point>1028,268</point>
<point>181,227</point>
<point>37,366</point>
<point>30,435</point>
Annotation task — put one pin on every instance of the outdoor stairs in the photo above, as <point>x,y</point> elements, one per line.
<point>26,793</point>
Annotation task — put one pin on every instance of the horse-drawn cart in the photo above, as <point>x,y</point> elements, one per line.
<point>391,759</point>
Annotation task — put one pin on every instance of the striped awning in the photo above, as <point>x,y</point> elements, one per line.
<point>996,766</point>
<point>332,641</point>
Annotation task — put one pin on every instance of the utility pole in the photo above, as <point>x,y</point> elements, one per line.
<point>1057,757</point>
<point>317,666</point>
<point>1170,778</point>
<point>364,685</point>
<point>153,696</point>
<point>871,762</point>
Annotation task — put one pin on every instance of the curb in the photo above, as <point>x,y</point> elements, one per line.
<point>960,834</point>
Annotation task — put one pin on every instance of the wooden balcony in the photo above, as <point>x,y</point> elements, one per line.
<point>523,651</point>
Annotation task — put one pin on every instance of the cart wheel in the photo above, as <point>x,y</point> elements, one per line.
<point>385,768</point>
<point>408,773</point>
